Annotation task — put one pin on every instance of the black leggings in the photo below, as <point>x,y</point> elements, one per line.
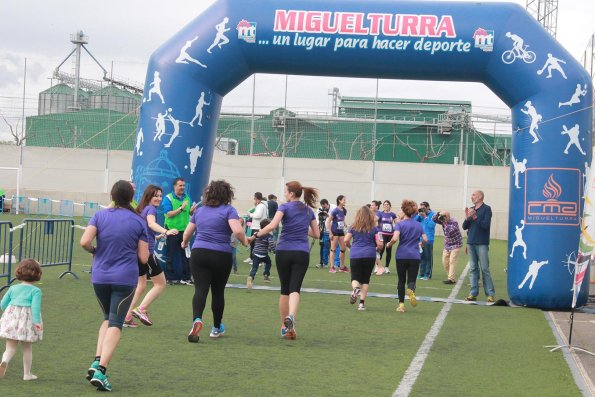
<point>386,238</point>
<point>361,269</point>
<point>210,269</point>
<point>406,268</point>
<point>114,301</point>
<point>291,268</point>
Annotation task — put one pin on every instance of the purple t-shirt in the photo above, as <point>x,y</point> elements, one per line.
<point>296,220</point>
<point>385,222</point>
<point>150,210</point>
<point>338,224</point>
<point>212,227</point>
<point>364,244</point>
<point>411,231</point>
<point>116,259</point>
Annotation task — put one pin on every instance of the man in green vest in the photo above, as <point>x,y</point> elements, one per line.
<point>177,208</point>
<point>2,197</point>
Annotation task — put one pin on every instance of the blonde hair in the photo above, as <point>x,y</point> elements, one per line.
<point>365,220</point>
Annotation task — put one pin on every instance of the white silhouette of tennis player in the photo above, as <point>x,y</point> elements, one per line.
<point>573,134</point>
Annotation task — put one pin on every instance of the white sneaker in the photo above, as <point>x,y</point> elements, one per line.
<point>361,307</point>
<point>386,271</point>
<point>247,260</point>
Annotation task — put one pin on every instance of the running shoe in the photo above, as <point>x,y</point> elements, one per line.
<point>92,369</point>
<point>332,270</point>
<point>412,298</point>
<point>142,315</point>
<point>249,282</point>
<point>130,324</point>
<point>247,260</point>
<point>267,279</point>
<point>344,269</point>
<point>386,270</point>
<point>471,298</point>
<point>289,323</point>
<point>101,382</point>
<point>283,332</point>
<point>491,299</point>
<point>196,327</point>
<point>449,282</point>
<point>401,308</point>
<point>354,295</point>
<point>361,307</point>
<point>216,332</point>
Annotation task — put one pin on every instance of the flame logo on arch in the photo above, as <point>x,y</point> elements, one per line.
<point>552,189</point>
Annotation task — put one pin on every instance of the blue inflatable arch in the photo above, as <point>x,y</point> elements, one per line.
<point>498,44</point>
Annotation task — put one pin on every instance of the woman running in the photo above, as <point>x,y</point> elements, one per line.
<point>408,233</point>
<point>293,249</point>
<point>336,224</point>
<point>152,197</point>
<point>121,244</point>
<point>362,253</point>
<point>211,256</point>
<point>386,222</point>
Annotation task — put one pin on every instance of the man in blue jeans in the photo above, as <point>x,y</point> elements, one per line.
<point>477,223</point>
<point>425,215</point>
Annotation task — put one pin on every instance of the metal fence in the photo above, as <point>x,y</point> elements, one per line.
<point>6,258</point>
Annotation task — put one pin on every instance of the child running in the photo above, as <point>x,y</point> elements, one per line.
<point>293,249</point>
<point>152,197</point>
<point>264,244</point>
<point>21,320</point>
<point>408,232</point>
<point>362,253</point>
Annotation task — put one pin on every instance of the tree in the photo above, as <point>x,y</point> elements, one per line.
<point>18,137</point>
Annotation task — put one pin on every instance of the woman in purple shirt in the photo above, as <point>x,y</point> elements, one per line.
<point>293,249</point>
<point>363,253</point>
<point>407,232</point>
<point>121,243</point>
<point>152,197</point>
<point>211,258</point>
<point>386,222</point>
<point>335,223</point>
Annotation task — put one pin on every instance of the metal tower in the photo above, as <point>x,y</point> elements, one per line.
<point>546,12</point>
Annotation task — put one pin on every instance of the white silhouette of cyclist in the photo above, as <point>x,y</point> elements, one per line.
<point>532,273</point>
<point>198,115</point>
<point>155,87</point>
<point>220,38</point>
<point>552,63</point>
<point>519,242</point>
<point>535,119</point>
<point>518,50</point>
<point>519,168</point>
<point>184,57</point>
<point>576,97</point>
<point>573,134</point>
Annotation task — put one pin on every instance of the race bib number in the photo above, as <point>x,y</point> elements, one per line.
<point>387,227</point>
<point>340,225</point>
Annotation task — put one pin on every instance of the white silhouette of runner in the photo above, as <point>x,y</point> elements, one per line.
<point>195,153</point>
<point>552,63</point>
<point>535,119</point>
<point>519,242</point>
<point>176,124</point>
<point>220,38</point>
<point>140,138</point>
<point>519,168</point>
<point>573,134</point>
<point>160,125</point>
<point>532,272</point>
<point>576,97</point>
<point>184,57</point>
<point>155,87</point>
<point>199,106</point>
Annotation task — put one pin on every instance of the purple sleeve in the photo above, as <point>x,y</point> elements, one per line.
<point>232,213</point>
<point>312,216</point>
<point>398,227</point>
<point>193,217</point>
<point>93,220</point>
<point>282,208</point>
<point>152,211</point>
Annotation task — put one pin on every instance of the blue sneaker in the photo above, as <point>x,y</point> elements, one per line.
<point>196,327</point>
<point>100,380</point>
<point>217,332</point>
<point>289,323</point>
<point>92,369</point>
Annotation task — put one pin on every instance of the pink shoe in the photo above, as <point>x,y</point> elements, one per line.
<point>332,270</point>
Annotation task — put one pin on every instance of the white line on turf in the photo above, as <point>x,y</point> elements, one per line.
<point>410,376</point>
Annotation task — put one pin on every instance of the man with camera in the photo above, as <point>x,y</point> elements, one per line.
<point>453,241</point>
<point>424,215</point>
<point>325,241</point>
